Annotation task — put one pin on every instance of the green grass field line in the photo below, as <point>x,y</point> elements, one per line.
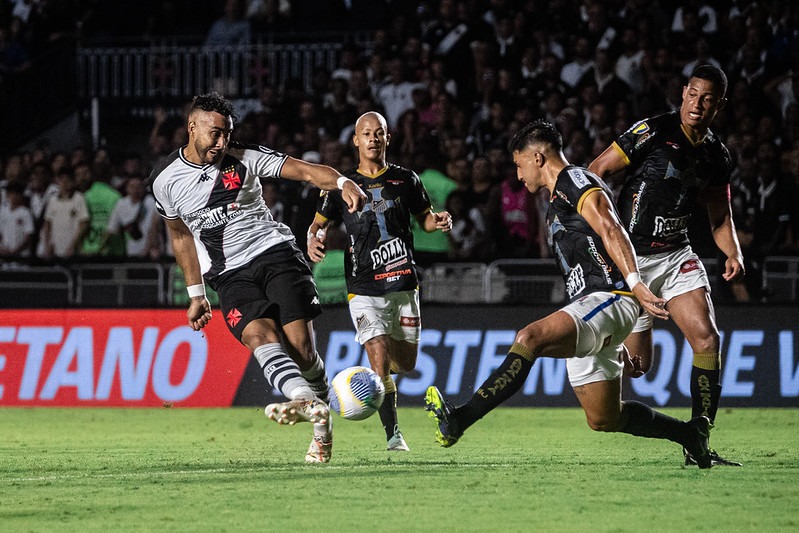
<point>519,469</point>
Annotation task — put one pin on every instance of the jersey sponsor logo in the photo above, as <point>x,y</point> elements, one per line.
<point>689,266</point>
<point>636,206</point>
<point>673,145</point>
<point>640,128</point>
<point>575,283</point>
<point>231,179</point>
<point>578,178</point>
<point>393,275</point>
<point>666,227</point>
<point>315,300</point>
<point>395,264</point>
<point>409,321</point>
<point>233,317</point>
<point>204,177</point>
<point>212,217</point>
<point>644,138</point>
<point>592,249</point>
<point>389,252</point>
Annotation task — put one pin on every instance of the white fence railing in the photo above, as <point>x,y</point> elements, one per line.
<point>167,71</point>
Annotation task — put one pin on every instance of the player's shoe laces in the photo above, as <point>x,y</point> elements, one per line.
<point>441,410</point>
<point>699,448</point>
<point>715,459</point>
<point>314,411</point>
<point>320,450</point>
<point>397,443</point>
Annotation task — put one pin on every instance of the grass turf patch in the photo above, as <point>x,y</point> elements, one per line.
<point>519,469</point>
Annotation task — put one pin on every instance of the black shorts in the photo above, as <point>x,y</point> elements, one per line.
<point>277,284</point>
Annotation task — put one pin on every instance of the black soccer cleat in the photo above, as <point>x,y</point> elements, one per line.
<point>715,459</point>
<point>699,448</point>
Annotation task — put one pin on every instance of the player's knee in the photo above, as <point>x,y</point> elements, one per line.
<point>708,342</point>
<point>258,338</point>
<point>603,422</point>
<point>528,336</point>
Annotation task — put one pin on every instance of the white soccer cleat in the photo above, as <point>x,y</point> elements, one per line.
<point>320,450</point>
<point>289,413</point>
<point>397,443</point>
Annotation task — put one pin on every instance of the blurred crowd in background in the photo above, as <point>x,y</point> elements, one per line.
<point>455,79</point>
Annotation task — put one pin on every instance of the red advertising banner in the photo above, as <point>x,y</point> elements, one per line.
<point>107,358</point>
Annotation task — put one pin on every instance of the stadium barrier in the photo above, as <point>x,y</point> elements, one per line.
<point>150,357</point>
<point>158,284</point>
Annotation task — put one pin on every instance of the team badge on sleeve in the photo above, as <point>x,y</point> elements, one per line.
<point>640,128</point>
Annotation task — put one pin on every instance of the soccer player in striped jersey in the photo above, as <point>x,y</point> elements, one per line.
<point>606,295</point>
<point>209,193</point>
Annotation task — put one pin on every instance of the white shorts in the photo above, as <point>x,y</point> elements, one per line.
<point>603,321</point>
<point>396,314</point>
<point>670,274</point>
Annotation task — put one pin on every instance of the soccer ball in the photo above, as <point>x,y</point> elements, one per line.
<point>356,393</point>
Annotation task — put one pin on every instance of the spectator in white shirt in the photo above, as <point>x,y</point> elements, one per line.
<point>16,223</point>
<point>66,219</point>
<point>132,217</point>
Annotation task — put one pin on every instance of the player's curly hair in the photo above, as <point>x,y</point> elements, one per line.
<point>538,132</point>
<point>213,102</point>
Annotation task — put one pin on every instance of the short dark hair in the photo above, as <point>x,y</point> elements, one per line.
<point>714,75</point>
<point>540,131</point>
<point>213,102</point>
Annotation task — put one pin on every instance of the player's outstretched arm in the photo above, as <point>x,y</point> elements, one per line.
<point>598,211</point>
<point>199,312</point>
<point>327,179</point>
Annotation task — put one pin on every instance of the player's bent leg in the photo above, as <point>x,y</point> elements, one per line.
<point>694,315</point>
<point>692,312</point>
<point>553,336</point>
<point>403,356</point>
<point>642,421</point>
<point>377,349</point>
<point>283,373</point>
<point>601,402</point>
<point>302,349</point>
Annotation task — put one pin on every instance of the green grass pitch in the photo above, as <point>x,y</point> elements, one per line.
<point>519,469</point>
